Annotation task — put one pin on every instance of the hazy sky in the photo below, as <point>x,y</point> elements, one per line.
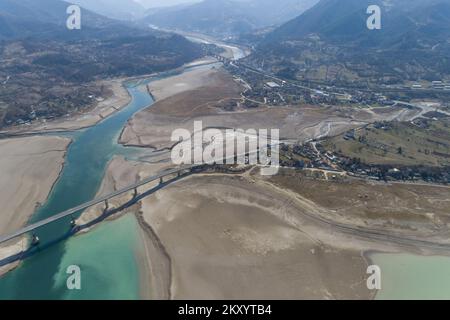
<point>163,3</point>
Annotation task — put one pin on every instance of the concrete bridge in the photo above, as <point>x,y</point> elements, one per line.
<point>103,199</point>
<point>222,58</point>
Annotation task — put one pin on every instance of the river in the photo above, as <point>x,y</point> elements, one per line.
<point>108,263</point>
<point>107,254</point>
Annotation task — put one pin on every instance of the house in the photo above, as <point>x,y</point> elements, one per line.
<point>272,85</point>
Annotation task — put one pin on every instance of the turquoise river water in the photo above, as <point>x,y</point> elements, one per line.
<point>109,268</point>
<point>108,265</point>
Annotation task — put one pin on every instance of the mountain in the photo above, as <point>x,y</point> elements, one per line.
<point>47,19</point>
<point>32,21</point>
<point>345,20</point>
<point>227,17</point>
<point>62,70</point>
<point>413,43</point>
<point>116,9</point>
<point>163,3</point>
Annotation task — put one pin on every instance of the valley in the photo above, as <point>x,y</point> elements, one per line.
<point>363,173</point>
<point>70,73</point>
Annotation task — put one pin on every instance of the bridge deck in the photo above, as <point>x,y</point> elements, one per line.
<point>91,203</point>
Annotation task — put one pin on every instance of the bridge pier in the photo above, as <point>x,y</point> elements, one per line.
<point>106,206</point>
<point>35,240</point>
<point>95,202</point>
<point>161,181</point>
<point>73,222</point>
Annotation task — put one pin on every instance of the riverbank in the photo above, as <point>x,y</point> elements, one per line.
<point>186,81</point>
<point>214,226</point>
<point>213,96</point>
<point>204,237</point>
<point>186,218</point>
<point>197,231</point>
<point>201,234</point>
<point>29,167</point>
<point>153,261</point>
<point>86,160</point>
<point>230,51</point>
<point>105,107</point>
<point>231,238</point>
<point>215,235</point>
<point>179,99</point>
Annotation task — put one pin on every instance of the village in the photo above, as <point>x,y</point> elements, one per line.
<point>313,156</point>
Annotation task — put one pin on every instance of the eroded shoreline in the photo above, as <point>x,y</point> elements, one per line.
<point>207,230</point>
<point>30,168</point>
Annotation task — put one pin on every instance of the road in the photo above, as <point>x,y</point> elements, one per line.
<point>129,188</point>
<point>92,203</point>
<point>425,108</point>
<point>422,107</point>
<point>366,233</point>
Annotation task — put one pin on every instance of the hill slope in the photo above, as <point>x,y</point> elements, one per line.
<point>228,17</point>
<point>47,19</point>
<point>116,9</point>
<point>47,70</point>
<point>345,20</point>
<point>413,44</point>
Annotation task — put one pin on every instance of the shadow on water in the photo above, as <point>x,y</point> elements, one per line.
<point>75,230</point>
<point>85,164</point>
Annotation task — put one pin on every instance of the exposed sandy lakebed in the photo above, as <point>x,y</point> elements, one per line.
<point>201,94</point>
<point>242,236</point>
<point>29,167</point>
<point>227,237</point>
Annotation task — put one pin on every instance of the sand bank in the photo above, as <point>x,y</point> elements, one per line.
<point>231,239</point>
<point>204,94</point>
<point>247,236</point>
<point>186,81</point>
<point>154,263</point>
<point>411,210</point>
<point>29,167</point>
<point>216,236</point>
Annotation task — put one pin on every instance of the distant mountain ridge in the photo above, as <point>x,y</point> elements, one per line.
<point>331,43</point>
<point>47,19</point>
<point>116,9</point>
<point>164,3</point>
<point>36,23</point>
<point>345,20</point>
<point>228,17</point>
<point>47,71</point>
